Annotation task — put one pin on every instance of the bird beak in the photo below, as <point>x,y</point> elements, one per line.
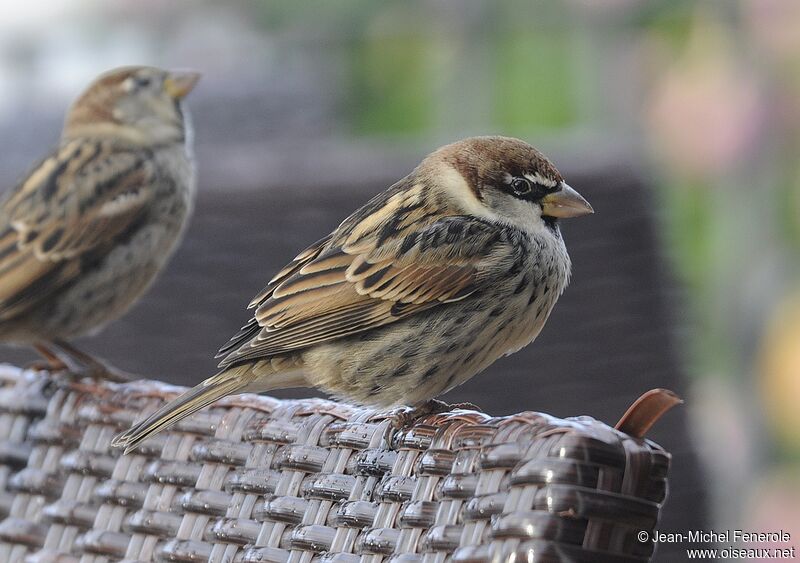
<point>178,84</point>
<point>566,202</point>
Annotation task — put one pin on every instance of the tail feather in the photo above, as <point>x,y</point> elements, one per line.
<point>187,404</point>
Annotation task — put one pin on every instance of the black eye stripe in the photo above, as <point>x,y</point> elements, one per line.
<point>523,188</point>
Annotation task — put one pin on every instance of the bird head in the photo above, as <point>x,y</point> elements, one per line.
<point>141,104</point>
<point>505,179</point>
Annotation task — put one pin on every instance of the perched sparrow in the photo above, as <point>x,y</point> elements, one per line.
<point>82,237</point>
<point>429,283</point>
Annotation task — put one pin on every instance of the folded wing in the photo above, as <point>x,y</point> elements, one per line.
<point>365,275</point>
<point>72,207</point>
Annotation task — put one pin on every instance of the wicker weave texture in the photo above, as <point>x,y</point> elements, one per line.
<point>258,479</point>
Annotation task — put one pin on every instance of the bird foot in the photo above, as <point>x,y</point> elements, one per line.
<point>100,370</point>
<point>60,357</point>
<point>463,406</point>
<point>50,362</point>
<point>44,365</point>
<point>403,418</point>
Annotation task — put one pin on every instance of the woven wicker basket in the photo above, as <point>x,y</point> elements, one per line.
<point>258,479</point>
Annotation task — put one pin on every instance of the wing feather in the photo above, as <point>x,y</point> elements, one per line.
<point>299,261</point>
<point>365,275</point>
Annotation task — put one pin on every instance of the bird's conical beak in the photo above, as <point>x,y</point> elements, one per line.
<point>564,203</point>
<point>179,84</point>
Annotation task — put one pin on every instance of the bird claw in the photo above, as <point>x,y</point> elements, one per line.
<point>105,372</point>
<point>463,406</point>
<point>406,417</point>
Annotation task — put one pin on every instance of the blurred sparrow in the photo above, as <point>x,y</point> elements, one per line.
<point>82,237</point>
<point>429,283</point>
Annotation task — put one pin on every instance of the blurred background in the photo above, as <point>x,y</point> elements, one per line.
<point>678,120</point>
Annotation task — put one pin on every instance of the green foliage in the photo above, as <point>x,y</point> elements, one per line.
<point>282,14</point>
<point>694,231</point>
<point>690,222</point>
<point>389,87</point>
<point>787,203</point>
<point>533,88</point>
<point>672,20</point>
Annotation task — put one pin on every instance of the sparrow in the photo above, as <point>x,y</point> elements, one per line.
<point>455,265</point>
<point>86,232</point>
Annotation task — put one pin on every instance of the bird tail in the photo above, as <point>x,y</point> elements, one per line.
<point>224,383</point>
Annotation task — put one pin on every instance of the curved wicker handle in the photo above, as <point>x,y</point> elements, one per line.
<point>645,412</point>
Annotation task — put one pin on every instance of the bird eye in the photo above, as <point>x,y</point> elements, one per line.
<point>521,186</point>
<point>143,81</point>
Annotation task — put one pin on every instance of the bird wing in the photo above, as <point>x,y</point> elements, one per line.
<point>366,275</point>
<point>74,203</point>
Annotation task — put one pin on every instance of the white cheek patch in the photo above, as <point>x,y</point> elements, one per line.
<point>461,194</point>
<point>541,180</point>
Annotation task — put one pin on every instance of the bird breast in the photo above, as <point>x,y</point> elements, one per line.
<point>432,352</point>
<point>177,186</point>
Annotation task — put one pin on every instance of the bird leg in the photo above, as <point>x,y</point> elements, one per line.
<point>62,356</point>
<point>49,362</point>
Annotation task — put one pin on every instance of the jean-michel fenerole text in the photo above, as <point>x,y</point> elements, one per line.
<point>724,536</point>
